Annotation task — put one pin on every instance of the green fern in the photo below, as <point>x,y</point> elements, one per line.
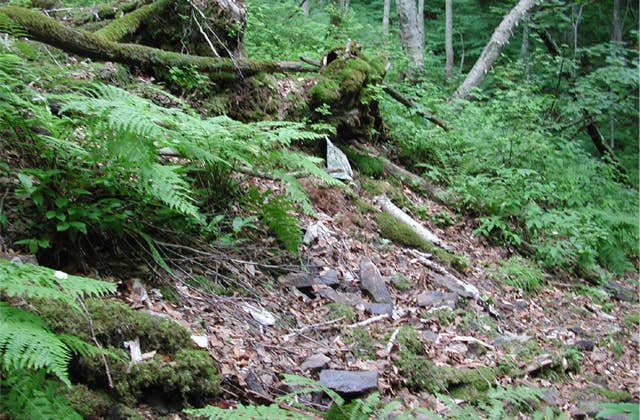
<point>29,395</point>
<point>257,412</point>
<point>27,343</point>
<point>28,280</point>
<point>278,214</point>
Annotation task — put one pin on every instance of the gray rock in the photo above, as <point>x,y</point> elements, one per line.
<point>380,308</point>
<point>349,382</point>
<point>351,299</point>
<point>584,345</point>
<point>372,282</point>
<point>635,338</point>
<point>510,337</point>
<point>337,163</point>
<point>434,299</point>
<point>315,361</point>
<point>304,280</point>
<point>430,336</point>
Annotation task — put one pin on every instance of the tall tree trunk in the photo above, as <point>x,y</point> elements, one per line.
<point>492,50</point>
<point>410,32</point>
<point>385,17</point>
<point>420,18</point>
<point>576,16</point>
<point>448,39</point>
<point>305,7</point>
<point>524,48</point>
<point>617,22</point>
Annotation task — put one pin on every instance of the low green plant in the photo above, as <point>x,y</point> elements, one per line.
<point>28,347</point>
<point>631,410</point>
<point>520,273</point>
<point>337,310</point>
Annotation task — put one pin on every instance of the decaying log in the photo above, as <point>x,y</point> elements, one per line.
<point>410,103</point>
<point>388,207</point>
<point>129,23</point>
<point>47,30</point>
<point>403,175</point>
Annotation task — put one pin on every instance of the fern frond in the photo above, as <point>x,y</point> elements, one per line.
<point>257,412</point>
<point>30,395</point>
<point>30,280</point>
<point>26,343</point>
<point>297,193</point>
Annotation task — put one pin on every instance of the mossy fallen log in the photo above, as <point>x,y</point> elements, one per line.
<point>129,23</point>
<point>44,29</point>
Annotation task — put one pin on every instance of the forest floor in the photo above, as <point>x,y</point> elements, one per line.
<point>312,314</point>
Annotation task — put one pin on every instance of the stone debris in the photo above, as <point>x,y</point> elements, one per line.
<point>372,282</point>
<point>316,361</point>
<point>349,382</point>
<point>436,299</point>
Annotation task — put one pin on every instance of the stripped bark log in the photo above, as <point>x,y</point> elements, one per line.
<point>46,30</point>
<point>492,50</point>
<point>388,207</point>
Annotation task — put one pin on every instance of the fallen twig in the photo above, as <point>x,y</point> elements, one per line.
<point>392,339</point>
<point>368,321</point>
<point>311,327</point>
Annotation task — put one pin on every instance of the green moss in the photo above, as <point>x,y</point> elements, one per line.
<point>611,395</point>
<point>422,374</point>
<point>337,310</point>
<point>401,282</point>
<point>402,234</point>
<point>364,164</point>
<point>326,91</point>
<point>114,323</point>
<point>179,373</point>
<point>632,321</point>
<point>362,343</point>
<point>88,403</point>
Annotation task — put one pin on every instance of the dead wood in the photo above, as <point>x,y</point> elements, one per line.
<point>388,207</point>
<point>44,29</point>
<point>410,103</point>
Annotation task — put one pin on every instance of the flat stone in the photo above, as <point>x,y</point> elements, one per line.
<point>304,280</point>
<point>430,336</point>
<point>379,308</point>
<point>509,337</point>
<point>635,337</point>
<point>372,282</point>
<point>315,361</point>
<point>434,299</point>
<point>337,163</point>
<point>349,382</point>
<point>351,299</point>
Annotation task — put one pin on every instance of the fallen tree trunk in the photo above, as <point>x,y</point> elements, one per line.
<point>127,25</point>
<point>492,50</point>
<point>410,103</point>
<point>44,29</point>
<point>388,207</point>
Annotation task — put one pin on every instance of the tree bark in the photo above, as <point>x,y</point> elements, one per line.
<point>385,17</point>
<point>499,39</point>
<point>305,7</point>
<point>448,39</point>
<point>410,32</point>
<point>617,22</point>
<point>47,30</point>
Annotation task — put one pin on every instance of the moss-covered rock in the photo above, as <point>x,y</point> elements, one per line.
<point>114,323</point>
<point>422,374</point>
<point>178,375</point>
<point>364,163</point>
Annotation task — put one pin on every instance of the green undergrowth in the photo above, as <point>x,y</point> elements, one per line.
<point>520,273</point>
<point>363,163</point>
